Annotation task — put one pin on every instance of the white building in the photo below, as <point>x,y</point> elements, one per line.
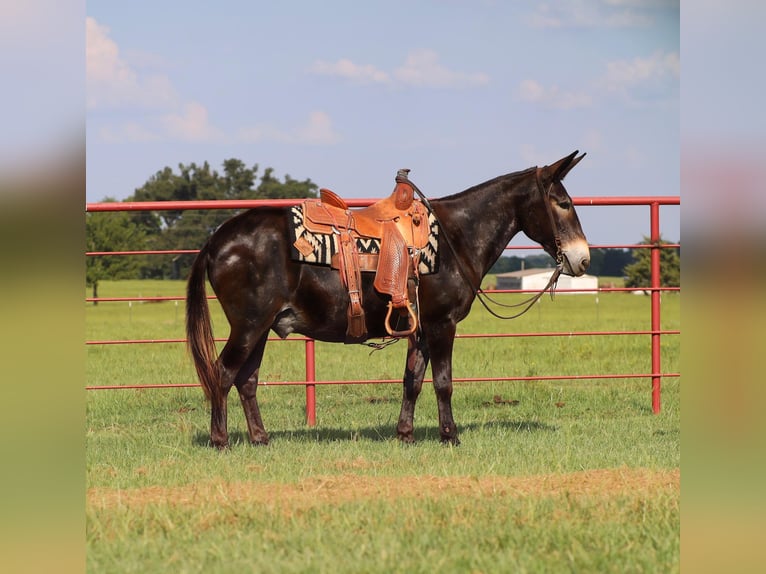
<point>537,279</point>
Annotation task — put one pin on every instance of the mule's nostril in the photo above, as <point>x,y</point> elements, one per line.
<point>585,263</point>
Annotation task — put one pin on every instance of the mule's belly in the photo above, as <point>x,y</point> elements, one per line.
<point>329,329</point>
<point>318,307</point>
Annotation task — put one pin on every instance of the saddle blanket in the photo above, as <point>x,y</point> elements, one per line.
<point>324,246</point>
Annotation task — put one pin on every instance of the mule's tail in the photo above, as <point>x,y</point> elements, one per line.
<point>199,330</point>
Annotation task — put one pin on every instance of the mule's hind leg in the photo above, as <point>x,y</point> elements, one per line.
<point>238,360</point>
<point>417,361</point>
<point>219,434</point>
<point>247,385</point>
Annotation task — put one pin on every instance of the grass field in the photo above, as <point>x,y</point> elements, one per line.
<point>551,476</point>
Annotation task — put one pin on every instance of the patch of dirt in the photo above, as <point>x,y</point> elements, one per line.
<point>348,488</point>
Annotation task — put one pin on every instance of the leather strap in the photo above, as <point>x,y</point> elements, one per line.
<point>357,327</point>
<point>545,193</point>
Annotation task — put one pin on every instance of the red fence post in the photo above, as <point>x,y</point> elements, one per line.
<point>311,403</point>
<point>655,264</point>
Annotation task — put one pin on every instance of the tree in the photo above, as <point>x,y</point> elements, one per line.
<point>610,262</point>
<point>113,231</point>
<point>189,229</point>
<point>506,264</point>
<point>638,274</point>
<point>271,188</point>
<point>238,180</point>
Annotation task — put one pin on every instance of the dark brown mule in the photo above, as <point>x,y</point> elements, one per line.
<point>260,288</point>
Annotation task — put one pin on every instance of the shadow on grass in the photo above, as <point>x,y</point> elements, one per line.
<point>380,433</point>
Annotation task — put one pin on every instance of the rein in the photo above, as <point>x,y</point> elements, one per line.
<point>481,295</point>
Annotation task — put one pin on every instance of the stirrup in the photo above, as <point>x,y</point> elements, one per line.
<point>412,319</point>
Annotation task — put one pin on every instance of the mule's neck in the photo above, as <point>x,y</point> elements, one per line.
<point>481,220</point>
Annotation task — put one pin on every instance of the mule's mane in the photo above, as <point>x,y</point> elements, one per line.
<point>507,178</point>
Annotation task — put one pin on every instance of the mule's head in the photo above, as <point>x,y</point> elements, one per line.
<point>550,216</point>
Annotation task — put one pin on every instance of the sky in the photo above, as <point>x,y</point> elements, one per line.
<point>346,93</point>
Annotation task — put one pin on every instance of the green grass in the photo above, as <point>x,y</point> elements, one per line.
<point>470,534</point>
<point>141,440</point>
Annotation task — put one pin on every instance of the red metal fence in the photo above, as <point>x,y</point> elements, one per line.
<point>310,382</point>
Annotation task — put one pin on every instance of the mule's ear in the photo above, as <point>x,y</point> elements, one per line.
<point>573,162</point>
<point>560,169</point>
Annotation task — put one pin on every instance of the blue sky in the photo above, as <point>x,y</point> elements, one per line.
<point>345,93</point>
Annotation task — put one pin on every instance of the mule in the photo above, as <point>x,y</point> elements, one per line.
<point>261,288</point>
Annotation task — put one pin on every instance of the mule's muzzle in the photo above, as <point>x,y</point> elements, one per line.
<point>576,258</point>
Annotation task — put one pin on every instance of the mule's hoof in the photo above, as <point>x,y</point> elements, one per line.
<point>406,438</point>
<point>449,436</point>
<point>260,441</point>
<point>221,446</point>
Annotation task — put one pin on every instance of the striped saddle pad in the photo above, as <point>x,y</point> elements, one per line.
<point>319,248</point>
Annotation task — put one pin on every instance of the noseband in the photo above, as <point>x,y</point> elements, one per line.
<point>481,295</point>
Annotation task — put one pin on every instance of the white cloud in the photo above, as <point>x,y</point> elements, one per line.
<point>317,130</point>
<point>130,132</point>
<point>115,83</point>
<point>639,81</point>
<point>644,79</point>
<point>593,14</point>
<point>421,68</point>
<point>344,68</point>
<point>623,74</point>
<point>552,97</point>
<point>112,82</point>
<point>191,124</point>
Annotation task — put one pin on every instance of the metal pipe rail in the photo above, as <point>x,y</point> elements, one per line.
<point>310,382</point>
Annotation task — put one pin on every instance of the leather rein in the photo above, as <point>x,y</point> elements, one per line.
<point>483,297</point>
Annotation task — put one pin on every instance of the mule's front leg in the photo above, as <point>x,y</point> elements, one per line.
<point>441,356</point>
<point>417,361</point>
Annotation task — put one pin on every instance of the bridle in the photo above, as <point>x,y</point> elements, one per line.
<point>481,295</point>
<point>556,237</point>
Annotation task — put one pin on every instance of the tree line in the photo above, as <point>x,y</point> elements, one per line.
<point>176,229</point>
<point>634,265</point>
<point>610,262</point>
<point>189,229</point>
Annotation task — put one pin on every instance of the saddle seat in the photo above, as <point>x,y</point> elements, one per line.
<point>331,214</point>
<point>400,223</point>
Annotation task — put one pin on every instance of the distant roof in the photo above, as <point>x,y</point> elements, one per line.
<point>538,271</point>
<point>525,272</point>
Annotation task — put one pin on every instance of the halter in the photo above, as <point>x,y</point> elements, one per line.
<point>481,295</point>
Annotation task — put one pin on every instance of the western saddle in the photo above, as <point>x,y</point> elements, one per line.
<point>400,223</point>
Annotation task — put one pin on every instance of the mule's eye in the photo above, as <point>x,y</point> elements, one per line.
<point>565,204</point>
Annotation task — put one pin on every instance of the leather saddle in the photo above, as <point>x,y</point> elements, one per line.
<point>400,223</point>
